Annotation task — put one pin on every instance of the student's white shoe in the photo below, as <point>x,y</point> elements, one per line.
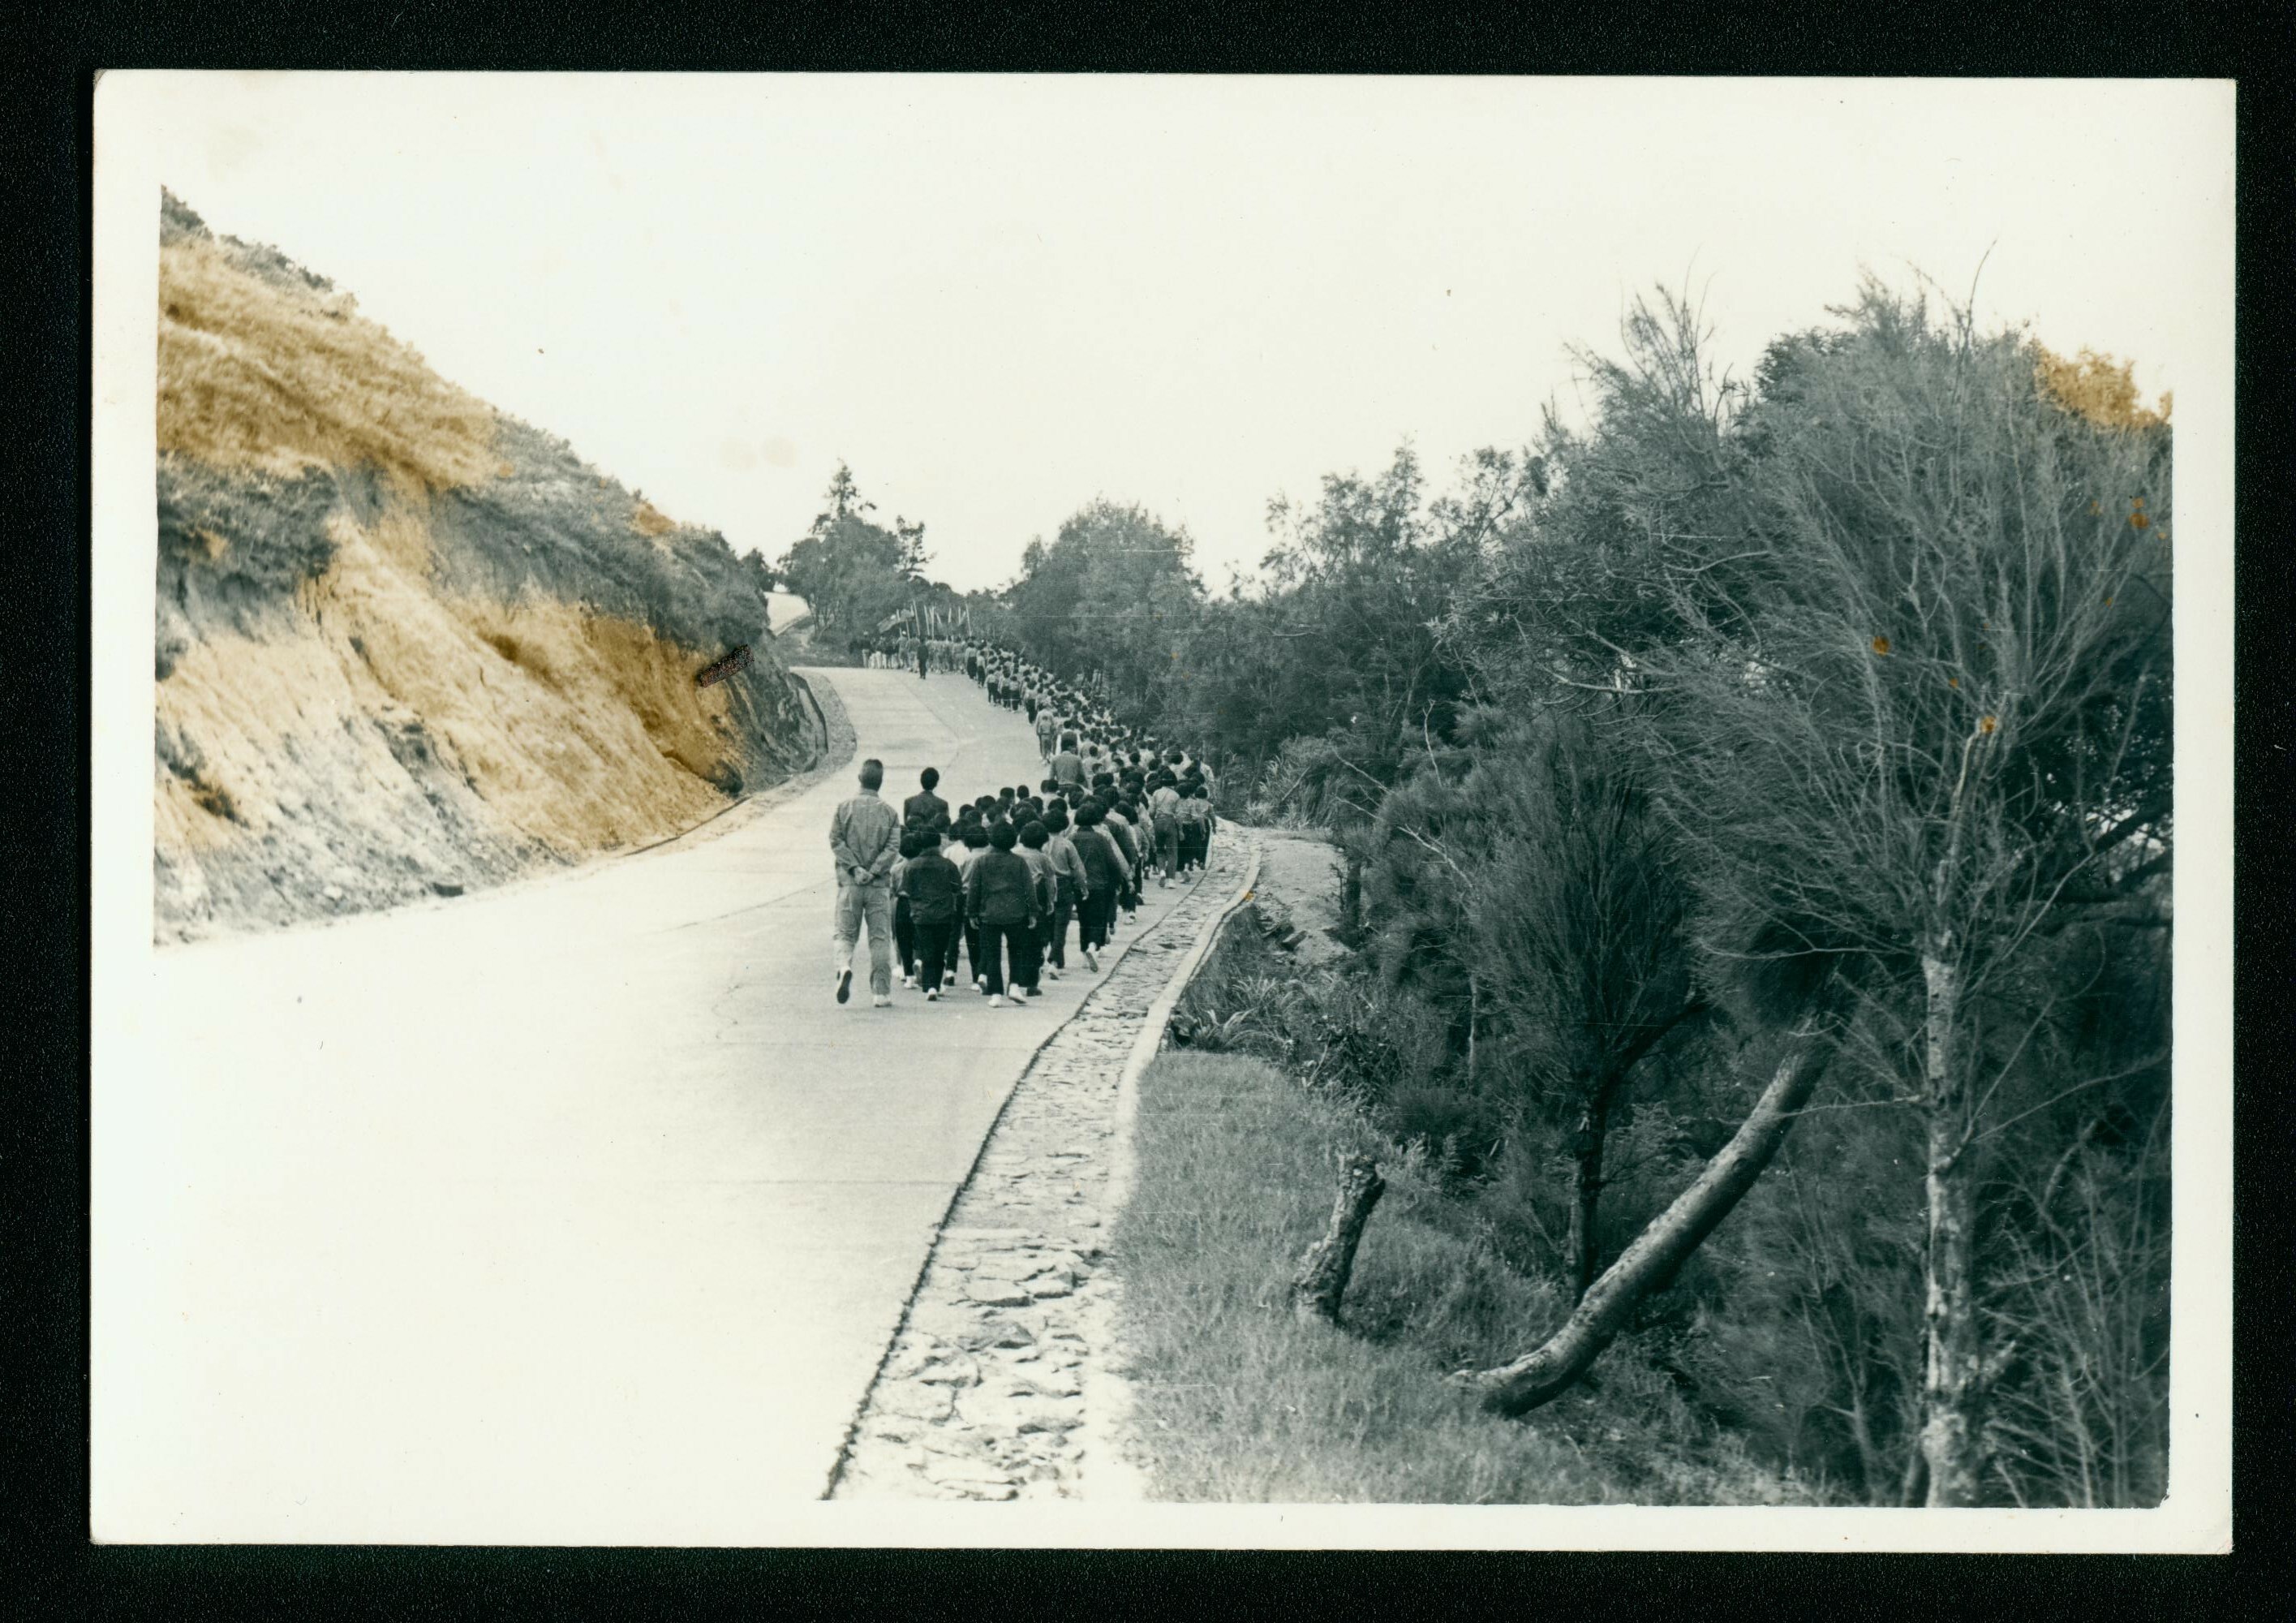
<point>881,1002</point>
<point>1090,962</point>
<point>933,995</point>
<point>980,981</point>
<point>997,1001</point>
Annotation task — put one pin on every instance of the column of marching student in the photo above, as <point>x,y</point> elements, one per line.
<point>1004,878</point>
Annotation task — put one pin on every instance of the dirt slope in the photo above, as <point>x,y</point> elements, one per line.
<point>404,643</point>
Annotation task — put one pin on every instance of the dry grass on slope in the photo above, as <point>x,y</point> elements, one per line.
<point>273,378</point>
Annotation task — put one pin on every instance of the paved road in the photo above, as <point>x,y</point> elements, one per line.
<point>573,1213</point>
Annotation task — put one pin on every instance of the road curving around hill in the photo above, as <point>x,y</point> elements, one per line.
<point>576,1212</point>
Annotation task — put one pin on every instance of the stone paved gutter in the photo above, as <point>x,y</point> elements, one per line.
<point>999,1384</point>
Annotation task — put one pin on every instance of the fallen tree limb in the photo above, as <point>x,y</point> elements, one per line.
<point>1324,1270</point>
<point>1651,1262</point>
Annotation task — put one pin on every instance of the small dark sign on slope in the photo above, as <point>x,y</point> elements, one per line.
<point>719,669</point>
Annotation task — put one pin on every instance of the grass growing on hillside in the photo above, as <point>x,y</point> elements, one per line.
<point>1237,1401</point>
<point>276,378</point>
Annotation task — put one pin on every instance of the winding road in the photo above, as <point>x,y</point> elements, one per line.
<point>575,1212</point>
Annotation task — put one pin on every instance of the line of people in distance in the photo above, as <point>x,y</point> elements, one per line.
<point>1064,714</point>
<point>1004,877</point>
<point>1066,717</point>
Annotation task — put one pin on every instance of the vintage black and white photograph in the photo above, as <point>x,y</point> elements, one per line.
<point>1113,810</point>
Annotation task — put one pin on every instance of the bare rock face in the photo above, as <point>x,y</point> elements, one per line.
<point>405,647</point>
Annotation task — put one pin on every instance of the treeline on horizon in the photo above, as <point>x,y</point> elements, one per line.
<point>1775,769</point>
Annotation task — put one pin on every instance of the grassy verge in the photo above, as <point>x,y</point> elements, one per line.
<point>1237,1401</point>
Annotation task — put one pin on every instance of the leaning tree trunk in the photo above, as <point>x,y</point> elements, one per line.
<point>1540,1376</point>
<point>1586,1180</point>
<point>1324,1270</point>
<point>1952,1368</point>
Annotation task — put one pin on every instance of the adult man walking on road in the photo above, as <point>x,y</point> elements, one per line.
<point>865,836</point>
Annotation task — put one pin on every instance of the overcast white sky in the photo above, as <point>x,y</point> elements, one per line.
<point>998,298</point>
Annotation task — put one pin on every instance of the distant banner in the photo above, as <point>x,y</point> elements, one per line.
<point>711,674</point>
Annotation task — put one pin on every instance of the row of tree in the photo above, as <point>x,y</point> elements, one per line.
<point>1783,759</point>
<point>1850,701</point>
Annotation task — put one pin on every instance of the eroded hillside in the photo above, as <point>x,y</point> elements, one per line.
<point>406,644</point>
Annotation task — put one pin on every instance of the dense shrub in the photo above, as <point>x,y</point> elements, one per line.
<point>1854,676</point>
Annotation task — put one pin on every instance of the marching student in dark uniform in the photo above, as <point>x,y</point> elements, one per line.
<point>905,928</point>
<point>1197,820</point>
<point>1031,851</point>
<point>933,892</point>
<point>926,807</point>
<point>1000,899</point>
<point>1106,873</point>
<point>1070,885</point>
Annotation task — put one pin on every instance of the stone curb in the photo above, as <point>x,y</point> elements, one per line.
<point>1107,1474</point>
<point>905,1438</point>
<point>1123,1164</point>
